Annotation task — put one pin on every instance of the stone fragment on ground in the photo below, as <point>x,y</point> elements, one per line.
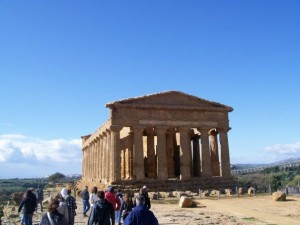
<point>279,196</point>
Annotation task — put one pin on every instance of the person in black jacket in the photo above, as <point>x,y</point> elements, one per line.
<point>144,192</point>
<point>102,212</point>
<point>53,217</point>
<point>29,205</point>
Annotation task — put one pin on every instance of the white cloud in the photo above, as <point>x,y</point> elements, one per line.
<point>57,154</point>
<point>284,149</point>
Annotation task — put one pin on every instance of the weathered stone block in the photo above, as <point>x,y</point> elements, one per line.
<point>185,202</point>
<point>179,194</point>
<point>17,197</point>
<point>251,190</point>
<point>205,193</point>
<point>228,192</point>
<point>215,193</point>
<point>279,196</point>
<point>241,191</point>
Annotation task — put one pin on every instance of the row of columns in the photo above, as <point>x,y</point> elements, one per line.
<point>102,157</point>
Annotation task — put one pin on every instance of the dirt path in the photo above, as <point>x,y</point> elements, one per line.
<point>261,208</point>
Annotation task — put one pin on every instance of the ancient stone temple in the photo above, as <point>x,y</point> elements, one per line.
<point>168,140</point>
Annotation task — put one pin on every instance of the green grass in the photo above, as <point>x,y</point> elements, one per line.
<point>249,218</point>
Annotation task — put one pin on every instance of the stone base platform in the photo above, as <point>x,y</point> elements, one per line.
<point>193,184</point>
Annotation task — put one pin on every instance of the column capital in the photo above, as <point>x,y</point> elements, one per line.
<point>137,128</point>
<point>203,130</point>
<point>149,130</point>
<point>171,130</point>
<point>184,129</point>
<point>213,131</point>
<point>161,129</point>
<point>115,128</point>
<point>224,129</point>
<point>104,134</point>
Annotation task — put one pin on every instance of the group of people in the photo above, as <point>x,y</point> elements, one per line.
<point>110,207</point>
<point>107,208</point>
<point>61,209</point>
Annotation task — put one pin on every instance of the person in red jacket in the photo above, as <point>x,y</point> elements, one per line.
<point>112,198</point>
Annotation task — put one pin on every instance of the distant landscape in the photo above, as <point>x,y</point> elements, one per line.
<point>263,177</point>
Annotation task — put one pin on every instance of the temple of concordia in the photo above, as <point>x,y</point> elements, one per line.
<point>167,141</point>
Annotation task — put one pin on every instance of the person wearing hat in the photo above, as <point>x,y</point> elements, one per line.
<point>111,197</point>
<point>140,215</point>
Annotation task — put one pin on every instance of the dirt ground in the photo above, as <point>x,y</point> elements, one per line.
<point>232,211</point>
<point>257,210</point>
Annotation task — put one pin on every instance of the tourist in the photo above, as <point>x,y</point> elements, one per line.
<point>93,196</point>
<point>53,217</point>
<point>29,205</point>
<point>144,192</point>
<point>119,212</point>
<point>140,215</point>
<point>39,197</point>
<point>146,195</point>
<point>85,200</point>
<point>62,208</point>
<point>64,193</point>
<point>127,205</point>
<point>113,198</point>
<point>71,203</point>
<point>103,212</point>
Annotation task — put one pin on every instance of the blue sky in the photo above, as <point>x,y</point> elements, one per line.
<point>62,61</point>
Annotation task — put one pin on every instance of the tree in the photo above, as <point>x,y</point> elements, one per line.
<point>56,177</point>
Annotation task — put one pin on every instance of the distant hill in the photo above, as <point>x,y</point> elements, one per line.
<point>245,166</point>
<point>277,163</point>
<point>285,161</point>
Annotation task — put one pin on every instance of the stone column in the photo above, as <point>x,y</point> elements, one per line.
<point>138,154</point>
<point>88,161</point>
<point>97,158</point>
<point>162,163</point>
<point>185,157</point>
<point>123,163</point>
<point>130,155</point>
<point>105,163</point>
<point>115,153</point>
<point>225,160</point>
<point>151,154</point>
<point>170,152</point>
<point>206,165</point>
<point>215,163</point>
<point>108,154</point>
<point>83,163</point>
<point>100,156</point>
<point>196,157</point>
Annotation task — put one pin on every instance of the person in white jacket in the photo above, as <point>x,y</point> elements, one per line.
<point>62,208</point>
<point>93,196</point>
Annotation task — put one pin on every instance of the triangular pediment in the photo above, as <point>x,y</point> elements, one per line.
<point>169,99</point>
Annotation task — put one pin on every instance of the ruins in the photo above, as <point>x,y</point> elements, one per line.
<point>168,141</point>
